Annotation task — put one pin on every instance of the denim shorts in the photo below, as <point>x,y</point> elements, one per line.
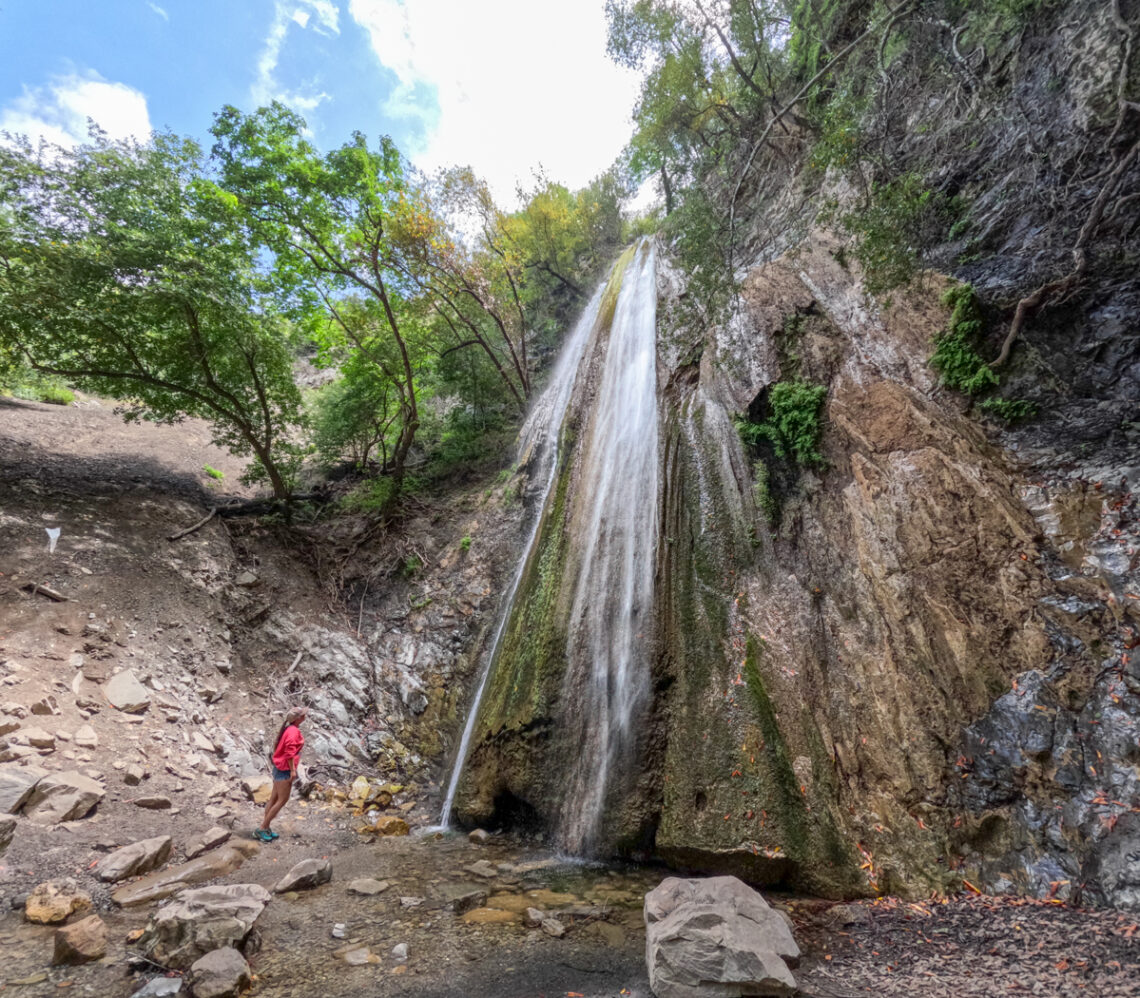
<point>281,774</point>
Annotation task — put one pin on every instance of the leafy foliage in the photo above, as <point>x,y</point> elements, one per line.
<point>955,348</point>
<point>793,426</point>
<point>1011,410</point>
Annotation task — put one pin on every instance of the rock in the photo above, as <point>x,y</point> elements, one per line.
<point>85,737</point>
<point>160,987</point>
<point>247,580</point>
<point>200,921</point>
<point>45,707</point>
<point>209,839</point>
<point>7,830</point>
<point>841,916</point>
<point>367,886</point>
<point>124,692</point>
<point>166,882</point>
<point>400,952</point>
<point>306,875</point>
<point>714,938</point>
<point>135,859</point>
<point>133,775</point>
<point>82,942</point>
<point>480,836</point>
<point>38,738</point>
<point>339,930</point>
<point>154,803</point>
<point>258,788</point>
<point>200,741</point>
<point>55,901</point>
<point>489,916</point>
<point>62,797</point>
<point>553,927</point>
<point>8,725</point>
<point>482,868</point>
<point>16,785</point>
<point>468,902</point>
<point>222,973</point>
<point>356,955</point>
<point>534,918</point>
<point>411,901</point>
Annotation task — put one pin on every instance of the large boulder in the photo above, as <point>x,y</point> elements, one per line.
<point>166,882</point>
<point>716,938</point>
<point>16,786</point>
<point>54,902</point>
<point>200,921</point>
<point>307,874</point>
<point>81,942</point>
<point>62,797</point>
<point>135,859</point>
<point>222,973</point>
<point>124,692</point>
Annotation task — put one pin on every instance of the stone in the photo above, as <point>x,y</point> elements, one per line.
<point>482,868</point>
<point>400,952</point>
<point>62,797</point>
<point>124,692</point>
<point>357,955</point>
<point>841,916</point>
<point>258,788</point>
<point>81,942</point>
<point>391,824</point>
<point>45,707</point>
<point>135,859</point>
<point>85,737</point>
<point>247,580</point>
<point>217,863</point>
<point>200,921</point>
<point>7,830</point>
<point>200,741</point>
<point>160,987</point>
<point>339,930</point>
<point>468,902</point>
<point>133,775</point>
<point>209,839</point>
<point>16,786</point>
<point>489,916</point>
<point>367,886</point>
<point>8,725</point>
<point>534,918</point>
<point>153,803</point>
<point>553,927</point>
<point>306,875</point>
<point>411,901</point>
<point>38,738</point>
<point>480,836</point>
<point>221,973</point>
<point>55,901</point>
<point>715,938</point>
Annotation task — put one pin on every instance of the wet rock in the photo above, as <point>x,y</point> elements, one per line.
<point>468,902</point>
<point>479,836</point>
<point>391,824</point>
<point>222,973</point>
<point>62,797</point>
<point>86,738</point>
<point>135,859</point>
<point>82,942</point>
<point>367,886</point>
<point>482,868</point>
<point>166,882</point>
<point>133,775</point>
<point>534,918</point>
<point>201,921</point>
<point>306,875</point>
<point>16,785</point>
<point>257,788</point>
<point>209,839</point>
<point>124,692</point>
<point>7,830</point>
<point>55,901</point>
<point>714,938</point>
<point>356,955</point>
<point>153,803</point>
<point>38,738</point>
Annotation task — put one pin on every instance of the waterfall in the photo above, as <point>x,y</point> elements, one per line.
<point>615,521</point>
<point>538,441</point>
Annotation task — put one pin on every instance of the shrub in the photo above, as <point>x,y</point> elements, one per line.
<point>465,544</point>
<point>213,472</point>
<point>955,355</point>
<point>793,426</point>
<point>1011,410</point>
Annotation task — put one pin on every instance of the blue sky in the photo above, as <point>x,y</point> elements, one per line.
<point>506,86</point>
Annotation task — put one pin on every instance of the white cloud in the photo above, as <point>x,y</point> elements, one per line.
<point>520,83</point>
<point>58,112</point>
<point>158,10</point>
<point>265,87</point>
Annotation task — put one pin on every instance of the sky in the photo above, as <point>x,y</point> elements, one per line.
<point>505,86</point>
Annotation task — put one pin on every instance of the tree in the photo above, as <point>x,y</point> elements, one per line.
<point>124,269</point>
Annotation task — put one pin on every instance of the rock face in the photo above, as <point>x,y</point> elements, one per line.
<point>166,882</point>
<point>62,797</point>
<point>200,921</point>
<point>137,858</point>
<point>306,875</point>
<point>222,973</point>
<point>124,692</point>
<point>81,942</point>
<point>55,901</point>
<point>716,938</point>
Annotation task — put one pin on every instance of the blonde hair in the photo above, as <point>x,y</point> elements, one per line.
<point>292,716</point>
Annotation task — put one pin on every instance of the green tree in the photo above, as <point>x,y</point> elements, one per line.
<point>125,270</point>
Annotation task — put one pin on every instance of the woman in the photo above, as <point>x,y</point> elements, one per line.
<point>285,757</point>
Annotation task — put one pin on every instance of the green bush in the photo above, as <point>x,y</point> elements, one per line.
<point>22,382</point>
<point>56,395</point>
<point>793,426</point>
<point>372,496</point>
<point>955,354</point>
<point>465,544</point>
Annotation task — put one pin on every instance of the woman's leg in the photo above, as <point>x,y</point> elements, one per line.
<point>277,800</point>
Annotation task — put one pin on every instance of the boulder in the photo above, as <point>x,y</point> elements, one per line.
<point>62,797</point>
<point>207,840</point>
<point>81,942</point>
<point>16,785</point>
<point>480,836</point>
<point>222,973</point>
<point>166,882</point>
<point>124,692</point>
<point>716,938</point>
<point>200,921</point>
<point>306,875</point>
<point>7,830</point>
<point>135,859</point>
<point>55,901</point>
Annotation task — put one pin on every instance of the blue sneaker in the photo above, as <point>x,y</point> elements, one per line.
<point>274,835</point>
<point>263,836</point>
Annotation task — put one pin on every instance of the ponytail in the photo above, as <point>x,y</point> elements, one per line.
<point>291,717</point>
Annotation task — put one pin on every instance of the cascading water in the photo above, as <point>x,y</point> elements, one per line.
<point>538,439</point>
<point>607,677</point>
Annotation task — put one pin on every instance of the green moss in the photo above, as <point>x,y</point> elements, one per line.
<point>1011,410</point>
<point>762,494</point>
<point>955,354</point>
<point>613,287</point>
